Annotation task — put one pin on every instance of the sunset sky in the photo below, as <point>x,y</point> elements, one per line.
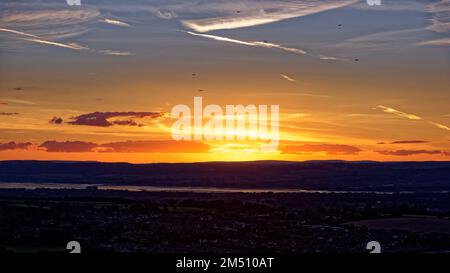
<point>98,81</point>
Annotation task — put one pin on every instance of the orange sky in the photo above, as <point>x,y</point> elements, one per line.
<point>74,86</point>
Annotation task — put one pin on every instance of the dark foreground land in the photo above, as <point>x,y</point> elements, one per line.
<point>119,221</point>
<point>414,217</point>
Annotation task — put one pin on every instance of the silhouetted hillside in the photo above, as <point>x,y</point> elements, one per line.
<point>389,176</point>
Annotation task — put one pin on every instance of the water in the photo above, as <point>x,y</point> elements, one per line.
<point>173,189</point>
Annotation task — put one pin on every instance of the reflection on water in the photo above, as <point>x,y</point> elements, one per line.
<point>171,189</point>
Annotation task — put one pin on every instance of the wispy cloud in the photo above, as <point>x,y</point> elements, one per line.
<point>249,43</point>
<point>399,113</point>
<point>398,39</point>
<point>409,142</point>
<point>115,22</point>
<point>36,39</point>
<point>51,23</point>
<point>286,77</point>
<point>386,40</point>
<point>441,126</point>
<point>274,11</point>
<point>50,26</point>
<point>19,33</point>
<point>283,94</point>
<point>411,116</point>
<point>328,58</point>
<point>436,42</point>
<point>73,46</point>
<point>329,149</point>
<point>411,152</point>
<point>19,101</point>
<point>117,53</point>
<point>166,14</point>
<point>440,21</point>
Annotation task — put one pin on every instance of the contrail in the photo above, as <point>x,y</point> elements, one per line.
<point>19,33</point>
<point>69,46</point>
<point>248,43</point>
<point>286,77</point>
<point>39,40</point>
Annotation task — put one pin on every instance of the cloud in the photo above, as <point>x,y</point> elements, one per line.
<point>39,40</point>
<point>436,42</point>
<point>18,101</point>
<point>410,152</point>
<point>15,146</point>
<point>142,146</point>
<point>409,142</point>
<point>399,113</point>
<point>391,40</point>
<point>115,22</point>
<point>328,58</point>
<point>286,77</point>
<point>18,33</point>
<point>329,149</point>
<point>440,21</point>
<point>250,43</point>
<point>8,114</point>
<point>56,120</point>
<point>73,46</point>
<point>273,11</point>
<point>68,146</point>
<point>166,14</point>
<point>116,53</point>
<point>413,117</point>
<point>48,17</point>
<point>154,146</point>
<point>440,126</point>
<point>53,24</point>
<point>107,119</point>
<point>401,38</point>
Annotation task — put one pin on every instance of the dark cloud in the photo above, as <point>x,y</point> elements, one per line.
<point>411,152</point>
<point>107,119</point>
<point>330,149</point>
<point>68,146</point>
<point>3,103</point>
<point>409,142</point>
<point>8,114</point>
<point>128,122</point>
<point>155,146</point>
<point>15,146</point>
<point>144,146</point>
<point>56,120</point>
<point>22,88</point>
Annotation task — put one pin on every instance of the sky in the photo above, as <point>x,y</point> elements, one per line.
<point>98,81</point>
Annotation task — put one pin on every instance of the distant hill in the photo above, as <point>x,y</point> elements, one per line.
<point>327,175</point>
